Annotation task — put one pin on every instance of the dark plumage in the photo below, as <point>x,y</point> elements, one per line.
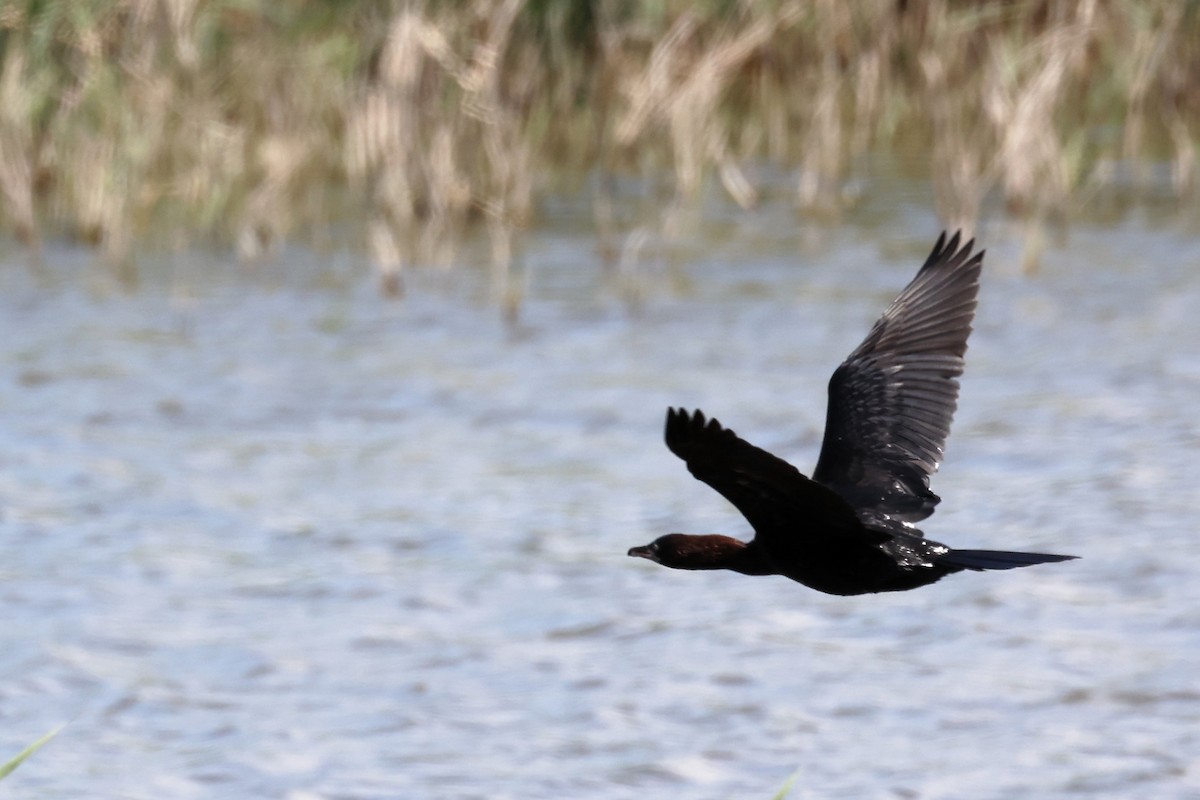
<point>850,528</point>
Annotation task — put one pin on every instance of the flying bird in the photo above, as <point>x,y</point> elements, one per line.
<point>851,527</point>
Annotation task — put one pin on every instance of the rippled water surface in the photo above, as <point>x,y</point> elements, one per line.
<point>271,535</point>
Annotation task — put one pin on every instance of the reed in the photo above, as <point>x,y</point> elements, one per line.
<point>392,126</point>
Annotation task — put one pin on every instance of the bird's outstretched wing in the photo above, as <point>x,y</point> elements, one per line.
<point>892,400</point>
<point>778,501</point>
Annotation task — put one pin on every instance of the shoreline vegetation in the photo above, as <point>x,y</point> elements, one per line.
<point>392,127</point>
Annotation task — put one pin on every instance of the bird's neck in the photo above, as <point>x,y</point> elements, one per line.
<point>713,551</point>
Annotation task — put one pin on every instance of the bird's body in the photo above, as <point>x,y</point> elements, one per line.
<point>850,528</point>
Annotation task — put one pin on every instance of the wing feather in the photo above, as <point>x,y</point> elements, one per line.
<point>775,498</point>
<point>892,400</point>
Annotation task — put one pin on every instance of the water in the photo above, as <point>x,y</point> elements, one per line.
<point>272,535</point>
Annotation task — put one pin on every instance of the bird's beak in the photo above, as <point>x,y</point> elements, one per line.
<point>643,552</point>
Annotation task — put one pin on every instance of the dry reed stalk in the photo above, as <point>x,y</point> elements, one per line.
<point>18,153</point>
<point>256,124</point>
<point>426,171</point>
<point>1021,95</point>
<point>961,167</point>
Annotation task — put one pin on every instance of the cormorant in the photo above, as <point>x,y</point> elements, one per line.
<point>850,528</point>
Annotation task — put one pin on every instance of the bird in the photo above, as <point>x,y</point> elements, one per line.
<point>851,528</point>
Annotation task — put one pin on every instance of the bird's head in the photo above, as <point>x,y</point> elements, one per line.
<point>656,550</point>
<point>684,551</point>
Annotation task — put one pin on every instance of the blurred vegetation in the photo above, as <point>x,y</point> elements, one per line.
<point>393,125</point>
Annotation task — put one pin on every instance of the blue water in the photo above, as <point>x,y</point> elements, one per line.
<point>269,534</point>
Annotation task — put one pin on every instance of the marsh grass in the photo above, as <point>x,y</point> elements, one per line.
<point>392,126</point>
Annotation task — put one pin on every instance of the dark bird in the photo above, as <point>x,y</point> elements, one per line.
<point>850,528</point>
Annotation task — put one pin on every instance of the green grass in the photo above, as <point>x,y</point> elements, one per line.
<point>786,789</point>
<point>16,761</point>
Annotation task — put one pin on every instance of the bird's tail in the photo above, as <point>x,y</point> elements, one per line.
<point>996,559</point>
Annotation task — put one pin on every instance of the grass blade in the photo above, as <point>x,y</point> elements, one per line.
<point>786,789</point>
<point>20,757</point>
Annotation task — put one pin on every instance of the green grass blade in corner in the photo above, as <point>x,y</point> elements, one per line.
<point>16,761</point>
<point>786,789</point>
